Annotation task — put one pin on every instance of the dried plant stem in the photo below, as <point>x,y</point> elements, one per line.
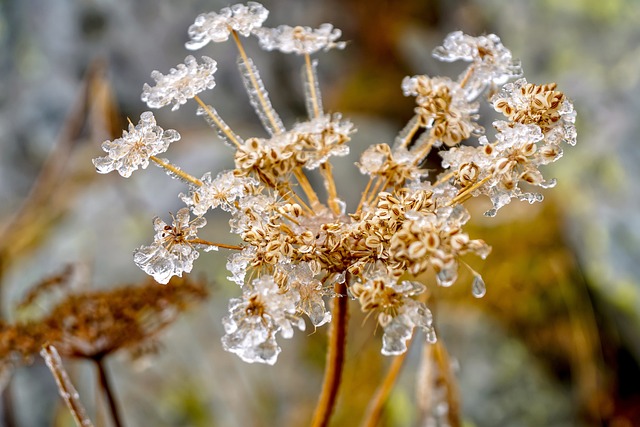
<point>8,416</point>
<point>182,174</point>
<point>445,178</point>
<point>467,76</point>
<point>219,245</point>
<point>312,85</point>
<point>466,193</point>
<point>332,198</point>
<point>306,186</point>
<point>407,139</point>
<point>335,359</point>
<point>376,405</point>
<point>424,151</point>
<point>108,391</point>
<point>254,82</point>
<point>65,387</point>
<point>364,194</point>
<point>222,126</point>
<point>441,358</point>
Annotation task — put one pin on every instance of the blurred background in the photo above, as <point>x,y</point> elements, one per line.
<point>556,339</point>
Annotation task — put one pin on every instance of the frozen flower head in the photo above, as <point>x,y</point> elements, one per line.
<point>173,249</point>
<point>398,313</point>
<point>222,191</point>
<point>216,27</point>
<point>182,83</point>
<point>136,146</point>
<point>443,108</point>
<point>541,105</point>
<point>300,40</point>
<point>255,319</point>
<point>492,62</point>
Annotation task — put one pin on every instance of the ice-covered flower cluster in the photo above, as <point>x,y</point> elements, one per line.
<point>298,252</point>
<point>136,147</point>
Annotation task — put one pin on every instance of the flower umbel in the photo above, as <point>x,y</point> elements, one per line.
<point>299,251</point>
<point>136,147</point>
<point>174,247</point>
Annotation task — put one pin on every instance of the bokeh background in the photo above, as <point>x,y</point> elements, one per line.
<point>556,340</point>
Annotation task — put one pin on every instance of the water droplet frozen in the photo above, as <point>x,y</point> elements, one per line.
<point>478,288</point>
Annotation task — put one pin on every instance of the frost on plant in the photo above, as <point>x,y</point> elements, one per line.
<point>136,147</point>
<point>298,251</point>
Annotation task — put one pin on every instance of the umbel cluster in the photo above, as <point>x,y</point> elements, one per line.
<point>297,251</point>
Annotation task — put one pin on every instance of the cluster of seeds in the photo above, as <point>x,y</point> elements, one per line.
<point>298,251</point>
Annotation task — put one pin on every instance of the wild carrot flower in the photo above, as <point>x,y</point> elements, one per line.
<point>299,251</point>
<point>174,247</point>
<point>300,40</point>
<point>217,27</point>
<point>182,83</point>
<point>136,147</point>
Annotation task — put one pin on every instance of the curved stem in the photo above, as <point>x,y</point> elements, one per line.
<point>375,407</point>
<point>108,391</point>
<point>335,359</point>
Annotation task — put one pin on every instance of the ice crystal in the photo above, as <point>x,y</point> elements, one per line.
<point>221,191</point>
<point>174,247</point>
<point>136,146</point>
<point>492,62</point>
<point>216,27</point>
<point>255,319</point>
<point>181,84</point>
<point>300,40</point>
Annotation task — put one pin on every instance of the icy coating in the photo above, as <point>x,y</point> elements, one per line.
<point>298,251</point>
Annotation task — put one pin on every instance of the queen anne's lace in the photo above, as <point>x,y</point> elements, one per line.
<point>216,27</point>
<point>182,83</point>
<point>300,40</point>
<point>136,146</point>
<point>296,250</point>
<point>174,247</point>
<point>255,319</point>
<point>492,62</point>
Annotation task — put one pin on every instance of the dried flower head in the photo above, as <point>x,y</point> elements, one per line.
<point>136,147</point>
<point>297,250</point>
<point>182,83</point>
<point>300,40</point>
<point>94,324</point>
<point>174,247</point>
<point>217,26</point>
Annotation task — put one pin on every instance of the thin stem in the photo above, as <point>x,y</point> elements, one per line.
<point>424,151</point>
<point>364,194</point>
<point>467,76</point>
<point>108,391</point>
<point>335,359</point>
<point>445,178</point>
<point>312,85</point>
<point>254,82</point>
<point>65,387</point>
<point>466,193</point>
<point>171,168</point>
<point>444,366</point>
<point>8,414</point>
<point>375,407</point>
<point>218,245</point>
<point>306,186</point>
<point>330,183</point>
<point>407,139</point>
<point>221,125</point>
